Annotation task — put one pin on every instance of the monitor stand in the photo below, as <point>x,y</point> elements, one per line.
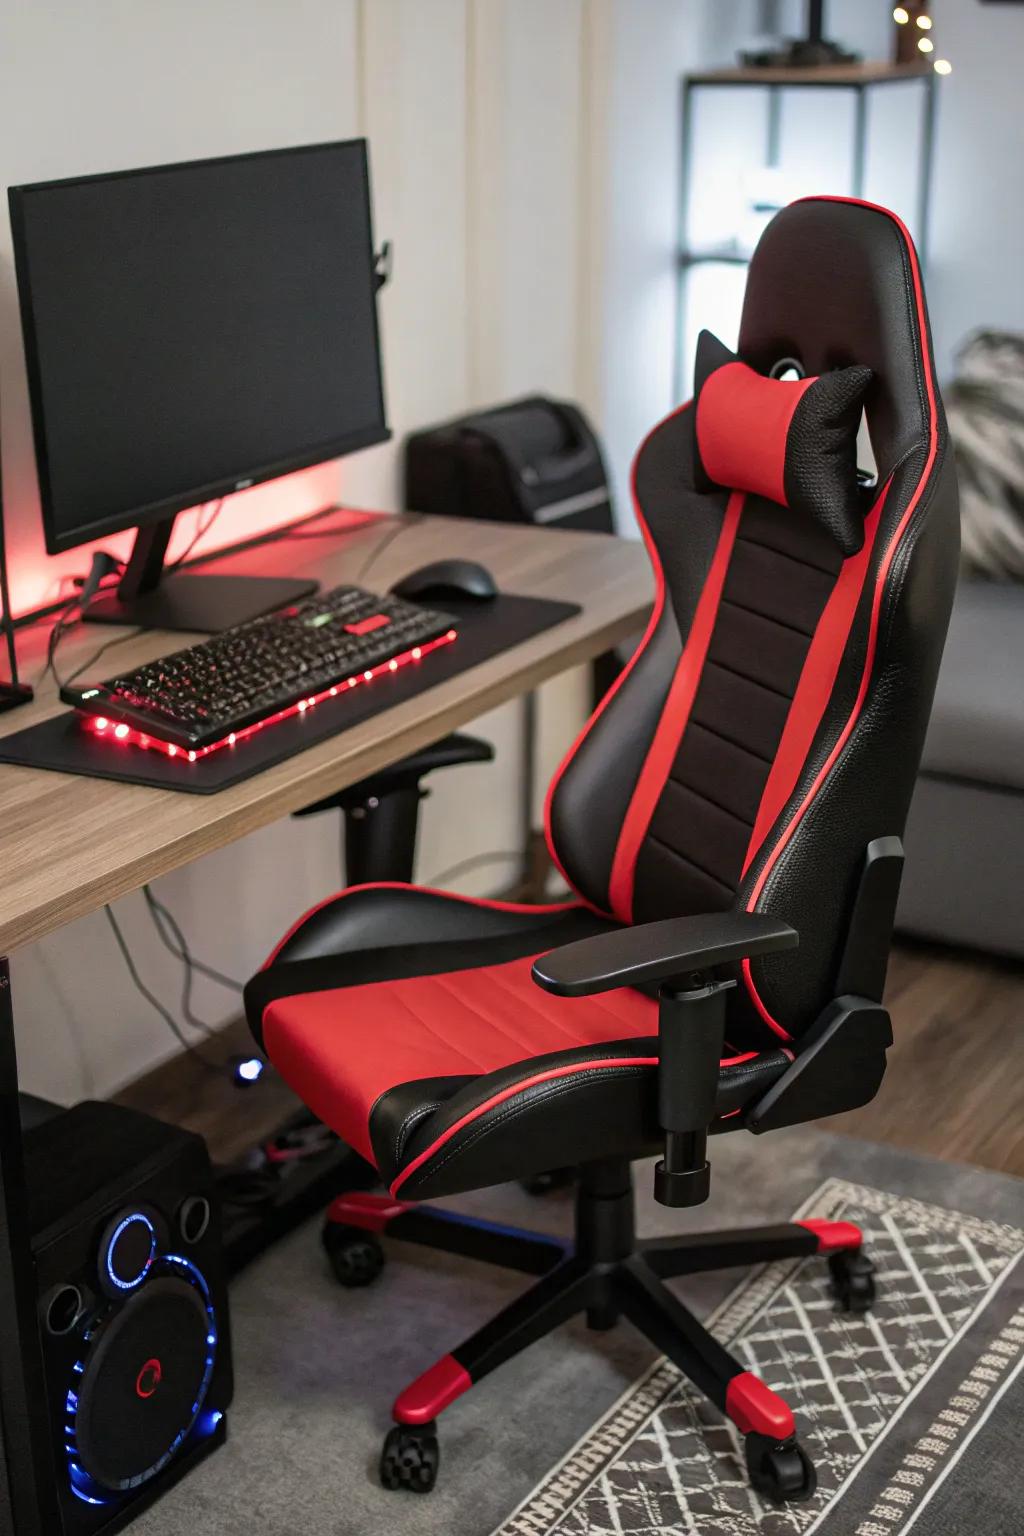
<point>150,596</point>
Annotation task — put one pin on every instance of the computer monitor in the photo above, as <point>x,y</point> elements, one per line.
<point>191,330</point>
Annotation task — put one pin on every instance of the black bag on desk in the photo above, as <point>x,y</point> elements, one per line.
<point>534,460</point>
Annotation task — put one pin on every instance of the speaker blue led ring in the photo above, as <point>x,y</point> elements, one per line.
<point>127,1252</point>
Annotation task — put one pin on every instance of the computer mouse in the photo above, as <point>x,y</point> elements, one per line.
<point>448,579</point>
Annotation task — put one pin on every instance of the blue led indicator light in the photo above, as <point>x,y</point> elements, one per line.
<point>136,1218</point>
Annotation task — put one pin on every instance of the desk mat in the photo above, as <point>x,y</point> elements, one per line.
<point>485,630</point>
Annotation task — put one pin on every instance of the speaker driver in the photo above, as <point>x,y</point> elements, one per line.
<point>142,1382</point>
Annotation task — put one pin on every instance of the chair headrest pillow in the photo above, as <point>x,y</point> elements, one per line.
<point>792,441</point>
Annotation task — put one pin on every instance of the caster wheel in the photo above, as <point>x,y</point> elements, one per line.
<point>853,1281</point>
<point>410,1458</point>
<point>780,1470</point>
<point>356,1257</point>
<point>546,1183</point>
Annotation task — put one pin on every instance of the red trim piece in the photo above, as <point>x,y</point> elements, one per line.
<point>834,1236</point>
<point>652,624</point>
<point>530,1082</point>
<point>735,1061</point>
<point>817,680</point>
<point>429,890</point>
<point>510,1093</point>
<point>743,421</point>
<point>431,1393</point>
<point>371,1213</point>
<point>367,626</point>
<point>755,1408</point>
<point>880,581</point>
<point>674,719</point>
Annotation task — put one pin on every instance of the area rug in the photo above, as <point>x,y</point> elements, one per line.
<point>911,1416</point>
<point>890,1404</point>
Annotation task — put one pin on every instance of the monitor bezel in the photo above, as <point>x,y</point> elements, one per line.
<point>58,541</point>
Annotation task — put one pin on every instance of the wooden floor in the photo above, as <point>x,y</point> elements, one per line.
<point>954,1088</point>
<point>231,1119</point>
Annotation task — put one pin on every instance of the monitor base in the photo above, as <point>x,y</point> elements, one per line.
<point>208,604</point>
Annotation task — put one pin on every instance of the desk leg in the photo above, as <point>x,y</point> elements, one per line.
<point>28,1493</point>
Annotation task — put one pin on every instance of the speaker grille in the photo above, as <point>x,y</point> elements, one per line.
<point>141,1382</point>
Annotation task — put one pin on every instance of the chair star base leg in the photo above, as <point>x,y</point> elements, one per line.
<point>530,1253</point>
<point>608,1275</point>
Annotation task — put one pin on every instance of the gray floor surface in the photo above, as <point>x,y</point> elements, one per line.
<point>317,1367</point>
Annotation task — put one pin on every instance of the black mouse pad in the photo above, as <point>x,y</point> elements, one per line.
<point>485,630</point>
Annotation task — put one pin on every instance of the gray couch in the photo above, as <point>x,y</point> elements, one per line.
<point>964,879</point>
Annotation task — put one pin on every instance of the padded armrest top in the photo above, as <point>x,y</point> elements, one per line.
<point>659,951</point>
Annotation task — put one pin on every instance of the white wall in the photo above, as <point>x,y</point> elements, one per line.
<point>116,83</point>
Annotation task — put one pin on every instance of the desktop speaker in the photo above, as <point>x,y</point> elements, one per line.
<point>133,1313</point>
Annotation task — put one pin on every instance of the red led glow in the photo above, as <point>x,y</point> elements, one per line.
<point>129,736</point>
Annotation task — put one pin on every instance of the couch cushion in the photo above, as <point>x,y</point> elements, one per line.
<point>977,724</point>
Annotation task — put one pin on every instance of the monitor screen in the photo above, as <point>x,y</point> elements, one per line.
<point>193,329</point>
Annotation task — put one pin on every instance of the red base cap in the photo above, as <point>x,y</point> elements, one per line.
<point>431,1393</point>
<point>754,1407</point>
<point>834,1236</point>
<point>371,1213</point>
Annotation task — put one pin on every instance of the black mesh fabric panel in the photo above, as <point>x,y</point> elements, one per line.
<point>780,576</point>
<point>821,456</point>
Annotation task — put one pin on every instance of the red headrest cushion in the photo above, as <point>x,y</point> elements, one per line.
<point>794,442</point>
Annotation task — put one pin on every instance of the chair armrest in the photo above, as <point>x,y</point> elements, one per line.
<point>659,951</point>
<point>406,774</point>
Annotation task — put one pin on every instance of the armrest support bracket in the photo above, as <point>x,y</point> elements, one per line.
<point>691,1033</point>
<point>682,955</point>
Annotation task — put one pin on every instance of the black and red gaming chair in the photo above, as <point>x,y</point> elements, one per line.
<point>729,823</point>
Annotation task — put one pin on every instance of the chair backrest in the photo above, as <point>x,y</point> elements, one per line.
<point>770,723</point>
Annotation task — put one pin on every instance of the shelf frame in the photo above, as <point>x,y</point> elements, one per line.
<point>858,79</point>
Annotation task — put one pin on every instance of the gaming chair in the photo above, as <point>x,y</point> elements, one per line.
<point>729,824</point>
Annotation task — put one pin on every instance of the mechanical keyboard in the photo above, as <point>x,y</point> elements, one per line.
<point>215,694</point>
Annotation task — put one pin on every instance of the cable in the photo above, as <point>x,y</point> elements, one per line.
<point>102,566</point>
<point>54,638</point>
<point>178,945</point>
<point>382,544</point>
<point>160,915</point>
<point>201,530</point>
<point>172,1024</point>
<point>85,665</point>
<point>465,865</point>
<point>286,534</point>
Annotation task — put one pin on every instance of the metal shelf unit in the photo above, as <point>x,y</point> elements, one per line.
<point>857,79</point>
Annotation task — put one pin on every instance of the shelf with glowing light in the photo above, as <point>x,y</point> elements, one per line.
<point>132,736</point>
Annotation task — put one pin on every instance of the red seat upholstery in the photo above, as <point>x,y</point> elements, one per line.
<point>355,1039</point>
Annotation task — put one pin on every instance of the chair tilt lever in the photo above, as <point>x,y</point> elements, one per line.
<point>691,1032</point>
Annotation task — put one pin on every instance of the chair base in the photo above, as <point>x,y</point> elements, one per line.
<point>605,1274</point>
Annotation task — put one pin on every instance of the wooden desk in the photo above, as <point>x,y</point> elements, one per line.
<point>68,844</point>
